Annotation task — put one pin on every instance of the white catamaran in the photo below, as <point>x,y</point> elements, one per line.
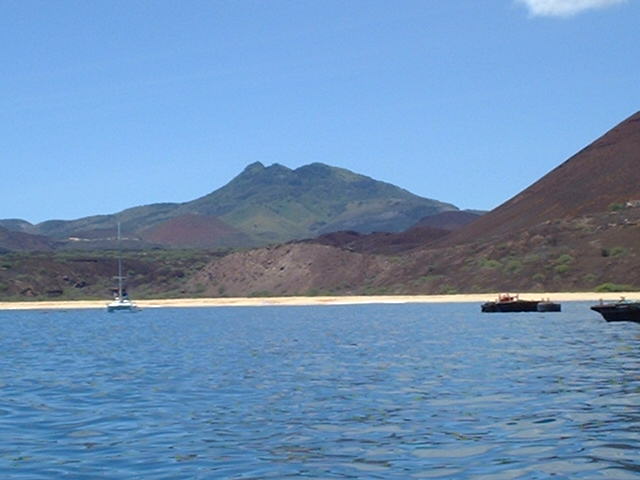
<point>121,301</point>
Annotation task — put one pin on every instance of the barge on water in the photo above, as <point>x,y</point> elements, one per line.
<point>507,303</point>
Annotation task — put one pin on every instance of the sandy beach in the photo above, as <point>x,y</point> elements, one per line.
<point>293,301</point>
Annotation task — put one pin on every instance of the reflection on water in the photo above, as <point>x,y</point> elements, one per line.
<point>380,391</point>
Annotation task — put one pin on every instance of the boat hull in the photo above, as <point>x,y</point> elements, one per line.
<point>122,307</point>
<point>510,307</point>
<point>619,312</point>
<point>549,307</point>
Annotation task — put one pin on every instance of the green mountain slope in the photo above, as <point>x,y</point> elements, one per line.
<point>262,205</point>
<point>278,204</point>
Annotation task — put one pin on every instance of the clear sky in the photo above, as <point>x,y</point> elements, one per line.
<point>108,104</point>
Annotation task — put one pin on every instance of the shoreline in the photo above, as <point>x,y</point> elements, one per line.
<point>312,301</point>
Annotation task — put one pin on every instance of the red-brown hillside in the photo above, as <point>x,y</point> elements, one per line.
<point>451,220</point>
<point>23,241</point>
<point>385,243</point>
<point>604,173</point>
<point>195,231</point>
<point>427,231</point>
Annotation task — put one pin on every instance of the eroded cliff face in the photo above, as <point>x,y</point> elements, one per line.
<point>292,269</point>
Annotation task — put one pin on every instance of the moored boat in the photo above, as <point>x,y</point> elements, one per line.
<point>620,311</point>
<point>121,301</point>
<point>513,303</point>
<point>548,306</point>
<point>122,304</point>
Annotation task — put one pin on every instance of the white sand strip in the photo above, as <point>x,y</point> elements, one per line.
<point>290,301</point>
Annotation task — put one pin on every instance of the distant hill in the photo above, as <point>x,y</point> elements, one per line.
<point>604,175</point>
<point>17,225</point>
<point>260,206</point>
<point>11,241</point>
<point>451,220</point>
<point>386,243</point>
<point>424,233</point>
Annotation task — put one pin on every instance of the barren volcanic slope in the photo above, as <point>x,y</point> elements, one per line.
<point>194,231</point>
<point>604,174</point>
<point>381,242</point>
<point>424,233</point>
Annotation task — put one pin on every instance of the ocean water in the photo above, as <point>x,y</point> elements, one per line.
<point>347,392</point>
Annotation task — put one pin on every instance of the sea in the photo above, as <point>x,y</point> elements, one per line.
<point>402,391</point>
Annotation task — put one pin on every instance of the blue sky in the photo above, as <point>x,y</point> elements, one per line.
<point>111,104</point>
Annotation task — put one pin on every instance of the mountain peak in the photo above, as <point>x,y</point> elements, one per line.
<point>258,168</point>
<point>254,167</point>
<point>276,167</point>
<point>315,166</point>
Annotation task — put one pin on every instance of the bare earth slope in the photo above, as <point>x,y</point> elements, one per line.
<point>293,269</point>
<point>194,231</point>
<point>382,242</point>
<point>588,253</point>
<point>604,173</point>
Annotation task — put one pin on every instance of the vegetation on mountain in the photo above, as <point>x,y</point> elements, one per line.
<point>260,206</point>
<point>278,204</point>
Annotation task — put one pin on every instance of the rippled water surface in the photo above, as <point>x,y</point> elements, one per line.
<point>378,391</point>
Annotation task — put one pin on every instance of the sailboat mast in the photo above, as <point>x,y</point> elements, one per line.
<point>122,301</point>
<point>119,265</point>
